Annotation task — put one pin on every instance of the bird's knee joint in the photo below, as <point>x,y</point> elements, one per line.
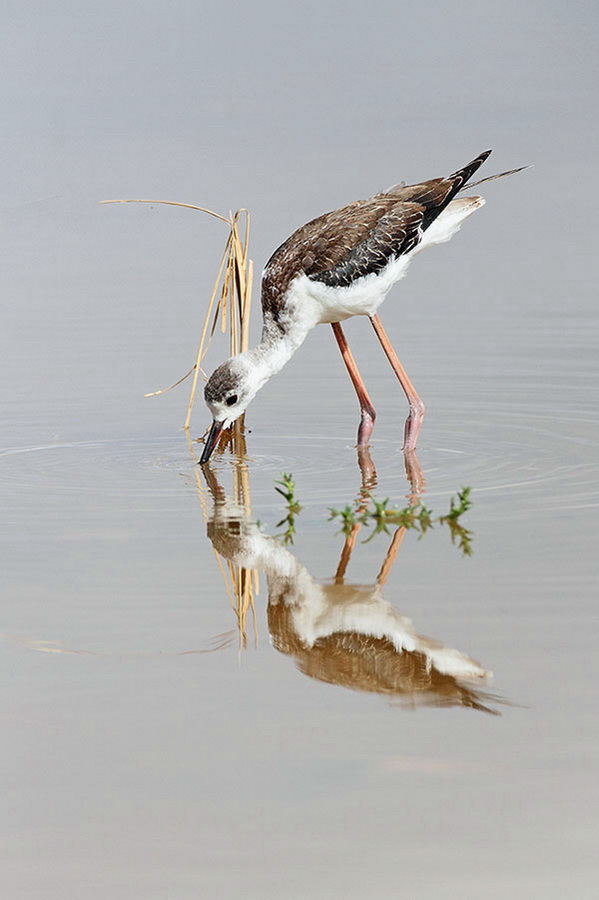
<point>368,414</point>
<point>417,407</point>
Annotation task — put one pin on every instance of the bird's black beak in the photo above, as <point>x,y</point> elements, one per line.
<point>211,441</point>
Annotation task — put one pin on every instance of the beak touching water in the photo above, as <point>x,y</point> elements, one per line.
<point>211,441</point>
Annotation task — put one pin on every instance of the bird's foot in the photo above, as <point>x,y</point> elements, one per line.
<point>365,428</point>
<point>412,426</point>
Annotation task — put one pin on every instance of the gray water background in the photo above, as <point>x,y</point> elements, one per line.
<point>133,771</point>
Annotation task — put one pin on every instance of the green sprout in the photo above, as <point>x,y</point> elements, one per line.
<point>347,516</point>
<point>380,515</point>
<point>460,536</point>
<point>287,491</point>
<point>455,511</point>
<point>425,519</point>
<point>416,516</point>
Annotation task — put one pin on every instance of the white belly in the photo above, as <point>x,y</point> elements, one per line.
<point>322,304</point>
<point>362,298</point>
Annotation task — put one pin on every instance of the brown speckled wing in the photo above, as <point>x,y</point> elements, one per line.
<point>342,245</point>
<point>396,232</point>
<point>360,238</point>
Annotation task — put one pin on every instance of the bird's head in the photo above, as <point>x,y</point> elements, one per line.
<point>228,393</point>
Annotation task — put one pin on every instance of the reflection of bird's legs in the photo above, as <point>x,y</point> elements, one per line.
<point>367,468</point>
<point>414,420</point>
<point>414,475</point>
<point>417,486</point>
<point>368,484</point>
<point>367,410</point>
<point>348,547</point>
<point>389,559</point>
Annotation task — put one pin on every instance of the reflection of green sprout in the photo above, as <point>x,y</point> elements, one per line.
<point>347,516</point>
<point>425,520</point>
<point>380,515</point>
<point>287,491</point>
<point>416,517</point>
<point>459,535</point>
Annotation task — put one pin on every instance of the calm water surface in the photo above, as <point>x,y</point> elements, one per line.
<point>153,752</point>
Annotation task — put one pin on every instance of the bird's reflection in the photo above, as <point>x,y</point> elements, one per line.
<point>343,633</point>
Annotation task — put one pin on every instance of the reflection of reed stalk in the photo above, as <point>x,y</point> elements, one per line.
<point>242,585</point>
<point>246,582</point>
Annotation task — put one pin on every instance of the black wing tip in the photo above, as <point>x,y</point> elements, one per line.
<point>478,160</point>
<point>463,175</point>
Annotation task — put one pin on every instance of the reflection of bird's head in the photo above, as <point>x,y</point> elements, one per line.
<point>232,533</point>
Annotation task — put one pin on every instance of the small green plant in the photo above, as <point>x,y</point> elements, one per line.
<point>347,515</point>
<point>460,536</point>
<point>377,513</point>
<point>287,491</point>
<point>415,516</point>
<point>425,519</point>
<point>380,515</point>
<point>456,510</point>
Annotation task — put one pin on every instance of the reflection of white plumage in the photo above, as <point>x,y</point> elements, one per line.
<point>345,634</point>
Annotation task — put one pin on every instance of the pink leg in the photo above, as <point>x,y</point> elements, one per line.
<point>367,411</point>
<point>414,420</point>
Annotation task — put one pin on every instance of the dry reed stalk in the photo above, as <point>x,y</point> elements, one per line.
<point>233,288</point>
<point>235,301</point>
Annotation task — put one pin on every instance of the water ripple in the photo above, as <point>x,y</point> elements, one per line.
<point>539,466</point>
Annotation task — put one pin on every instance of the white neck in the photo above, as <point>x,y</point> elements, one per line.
<point>277,346</point>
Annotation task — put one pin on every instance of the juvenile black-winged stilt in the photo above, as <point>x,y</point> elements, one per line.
<point>339,265</point>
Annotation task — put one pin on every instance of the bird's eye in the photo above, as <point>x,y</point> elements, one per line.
<point>231,400</point>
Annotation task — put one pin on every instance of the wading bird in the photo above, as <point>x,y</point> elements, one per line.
<point>339,265</point>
